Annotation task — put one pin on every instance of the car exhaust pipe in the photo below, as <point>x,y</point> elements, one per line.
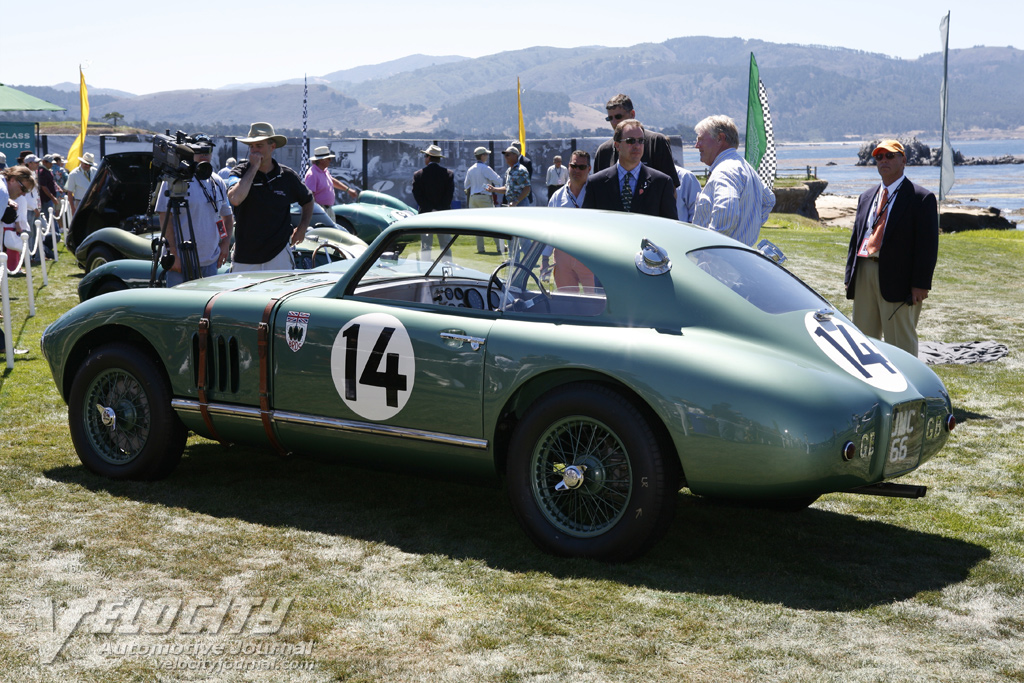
<point>892,490</point>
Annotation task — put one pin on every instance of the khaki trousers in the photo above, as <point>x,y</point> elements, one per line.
<point>896,323</point>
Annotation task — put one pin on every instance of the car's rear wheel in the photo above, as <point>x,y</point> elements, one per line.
<point>99,255</point>
<point>120,415</point>
<point>588,477</point>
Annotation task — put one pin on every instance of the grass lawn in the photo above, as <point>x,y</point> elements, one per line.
<point>355,575</point>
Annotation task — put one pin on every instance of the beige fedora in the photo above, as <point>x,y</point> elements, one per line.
<point>87,158</point>
<point>322,152</point>
<point>433,151</point>
<point>263,131</point>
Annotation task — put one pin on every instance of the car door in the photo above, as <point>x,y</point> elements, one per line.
<point>404,374</point>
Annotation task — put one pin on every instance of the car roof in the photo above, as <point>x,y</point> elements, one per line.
<point>608,242</point>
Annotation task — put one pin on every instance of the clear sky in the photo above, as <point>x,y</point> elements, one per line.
<point>143,47</point>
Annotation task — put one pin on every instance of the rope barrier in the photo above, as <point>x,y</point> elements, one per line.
<point>52,230</point>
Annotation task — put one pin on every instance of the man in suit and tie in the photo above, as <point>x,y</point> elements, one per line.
<point>630,185</point>
<point>433,188</point>
<point>892,254</point>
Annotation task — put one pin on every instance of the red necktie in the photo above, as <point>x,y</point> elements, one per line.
<point>875,241</point>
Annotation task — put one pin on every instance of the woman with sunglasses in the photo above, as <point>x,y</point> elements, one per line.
<point>18,181</point>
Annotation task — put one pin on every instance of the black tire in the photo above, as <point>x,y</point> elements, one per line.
<point>345,224</point>
<point>618,493</point>
<point>146,438</point>
<point>99,255</point>
<point>110,285</point>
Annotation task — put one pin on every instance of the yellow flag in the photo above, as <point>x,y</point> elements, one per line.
<point>522,129</point>
<point>79,143</point>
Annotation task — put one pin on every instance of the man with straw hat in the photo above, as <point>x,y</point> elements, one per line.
<point>321,183</point>
<point>433,187</point>
<point>79,180</point>
<point>262,200</point>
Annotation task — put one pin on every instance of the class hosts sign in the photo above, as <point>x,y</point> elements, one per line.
<point>15,138</point>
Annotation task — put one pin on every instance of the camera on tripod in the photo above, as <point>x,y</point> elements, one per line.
<point>175,157</point>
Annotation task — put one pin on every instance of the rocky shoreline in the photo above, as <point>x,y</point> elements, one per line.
<point>920,154</point>
<point>841,211</point>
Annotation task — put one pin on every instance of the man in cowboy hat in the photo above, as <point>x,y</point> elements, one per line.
<point>321,183</point>
<point>79,180</point>
<point>263,199</point>
<point>433,187</point>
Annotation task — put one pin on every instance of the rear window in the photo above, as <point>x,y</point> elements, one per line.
<point>757,279</point>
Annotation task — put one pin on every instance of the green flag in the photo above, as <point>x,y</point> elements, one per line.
<point>760,144</point>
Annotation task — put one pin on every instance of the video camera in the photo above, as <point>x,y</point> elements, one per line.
<point>175,157</point>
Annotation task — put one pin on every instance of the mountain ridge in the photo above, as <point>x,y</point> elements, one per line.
<point>816,92</point>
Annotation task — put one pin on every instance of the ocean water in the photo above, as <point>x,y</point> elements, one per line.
<point>999,186</point>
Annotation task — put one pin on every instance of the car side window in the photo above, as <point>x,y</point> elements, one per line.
<point>509,274</point>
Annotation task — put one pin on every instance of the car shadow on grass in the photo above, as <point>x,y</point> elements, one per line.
<point>815,559</point>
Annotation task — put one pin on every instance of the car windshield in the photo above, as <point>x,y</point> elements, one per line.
<point>498,273</point>
<point>757,279</point>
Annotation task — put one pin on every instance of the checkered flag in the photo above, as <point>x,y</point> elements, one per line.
<point>305,118</point>
<point>760,144</point>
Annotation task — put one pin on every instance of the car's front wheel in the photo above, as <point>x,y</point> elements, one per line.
<point>588,477</point>
<point>99,255</point>
<point>120,415</point>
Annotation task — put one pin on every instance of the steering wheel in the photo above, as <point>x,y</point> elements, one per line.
<point>325,247</point>
<point>542,298</point>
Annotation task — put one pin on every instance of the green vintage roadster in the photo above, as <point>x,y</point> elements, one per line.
<point>597,364</point>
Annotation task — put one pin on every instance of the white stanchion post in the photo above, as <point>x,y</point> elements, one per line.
<point>26,258</point>
<point>40,238</point>
<point>6,308</point>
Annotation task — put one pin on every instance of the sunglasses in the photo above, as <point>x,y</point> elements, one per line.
<point>615,117</point>
<point>579,167</point>
<point>887,155</point>
<point>633,141</point>
<point>22,186</point>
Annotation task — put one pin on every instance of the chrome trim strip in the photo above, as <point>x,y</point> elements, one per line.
<point>332,423</point>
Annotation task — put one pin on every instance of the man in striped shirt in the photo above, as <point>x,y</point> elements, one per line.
<point>734,201</point>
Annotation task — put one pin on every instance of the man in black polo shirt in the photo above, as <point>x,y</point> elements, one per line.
<point>262,201</point>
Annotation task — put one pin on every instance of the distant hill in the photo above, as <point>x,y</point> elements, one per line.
<point>816,92</point>
<point>387,69</point>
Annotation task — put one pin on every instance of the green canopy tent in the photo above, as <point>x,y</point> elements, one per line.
<point>12,99</point>
<point>16,136</point>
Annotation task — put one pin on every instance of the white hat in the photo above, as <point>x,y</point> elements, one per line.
<point>323,152</point>
<point>433,151</point>
<point>87,158</point>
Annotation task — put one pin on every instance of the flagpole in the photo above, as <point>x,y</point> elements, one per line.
<point>522,128</point>
<point>946,172</point>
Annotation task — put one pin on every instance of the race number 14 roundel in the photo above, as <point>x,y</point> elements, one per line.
<point>373,365</point>
<point>852,351</point>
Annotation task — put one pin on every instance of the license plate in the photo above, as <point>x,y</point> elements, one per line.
<point>906,438</point>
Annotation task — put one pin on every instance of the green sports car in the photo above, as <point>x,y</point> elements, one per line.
<point>595,362</point>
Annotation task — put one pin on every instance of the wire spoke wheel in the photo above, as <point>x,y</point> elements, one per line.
<point>119,425</point>
<point>588,476</point>
<point>581,476</point>
<point>120,415</point>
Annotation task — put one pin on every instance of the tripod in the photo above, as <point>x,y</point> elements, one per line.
<point>177,191</point>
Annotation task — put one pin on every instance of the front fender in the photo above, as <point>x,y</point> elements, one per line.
<point>124,243</point>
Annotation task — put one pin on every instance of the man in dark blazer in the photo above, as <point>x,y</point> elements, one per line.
<point>433,188</point>
<point>657,151</point>
<point>892,254</point>
<point>649,191</point>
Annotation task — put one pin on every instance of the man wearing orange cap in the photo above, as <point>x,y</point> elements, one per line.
<point>892,254</point>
